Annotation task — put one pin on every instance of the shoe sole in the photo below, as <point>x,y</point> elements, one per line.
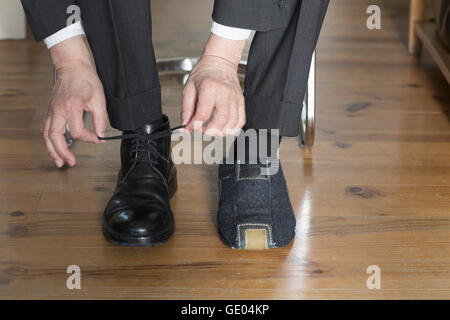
<point>127,241</point>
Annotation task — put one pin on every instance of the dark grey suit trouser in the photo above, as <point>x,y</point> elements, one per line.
<point>119,33</point>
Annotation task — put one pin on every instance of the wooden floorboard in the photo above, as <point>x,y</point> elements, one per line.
<point>374,189</point>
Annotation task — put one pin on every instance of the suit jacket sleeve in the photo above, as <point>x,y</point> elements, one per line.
<point>46,17</point>
<point>259,15</point>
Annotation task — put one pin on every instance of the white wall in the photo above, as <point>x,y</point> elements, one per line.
<point>12,20</point>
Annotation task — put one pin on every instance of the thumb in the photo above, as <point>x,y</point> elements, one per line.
<point>99,116</point>
<point>189,100</point>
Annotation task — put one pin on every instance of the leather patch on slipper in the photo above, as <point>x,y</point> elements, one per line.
<point>250,172</point>
<point>256,239</point>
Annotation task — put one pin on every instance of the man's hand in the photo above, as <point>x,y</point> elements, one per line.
<point>213,89</point>
<point>77,89</point>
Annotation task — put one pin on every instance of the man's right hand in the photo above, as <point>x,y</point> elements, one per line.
<point>77,89</point>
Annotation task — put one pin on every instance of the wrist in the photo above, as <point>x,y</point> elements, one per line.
<point>73,51</point>
<point>227,49</point>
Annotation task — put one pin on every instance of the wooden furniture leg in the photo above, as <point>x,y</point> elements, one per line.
<point>416,13</point>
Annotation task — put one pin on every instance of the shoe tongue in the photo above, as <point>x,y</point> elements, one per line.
<point>151,127</point>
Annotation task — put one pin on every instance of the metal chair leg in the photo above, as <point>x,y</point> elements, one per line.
<point>307,125</point>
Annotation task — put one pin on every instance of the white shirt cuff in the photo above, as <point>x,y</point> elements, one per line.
<point>230,32</point>
<point>68,32</point>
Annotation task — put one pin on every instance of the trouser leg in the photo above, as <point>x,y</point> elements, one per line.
<point>119,34</point>
<point>278,69</point>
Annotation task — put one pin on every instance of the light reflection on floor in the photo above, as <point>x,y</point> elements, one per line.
<point>297,261</point>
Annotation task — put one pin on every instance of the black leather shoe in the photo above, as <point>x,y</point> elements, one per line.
<point>139,214</point>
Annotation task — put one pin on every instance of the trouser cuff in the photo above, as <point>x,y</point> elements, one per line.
<point>266,113</point>
<point>130,113</point>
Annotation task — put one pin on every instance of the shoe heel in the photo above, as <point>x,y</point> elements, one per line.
<point>256,239</point>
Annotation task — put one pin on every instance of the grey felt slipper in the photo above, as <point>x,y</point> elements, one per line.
<point>255,212</point>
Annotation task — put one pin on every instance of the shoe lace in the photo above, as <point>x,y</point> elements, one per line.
<point>144,145</point>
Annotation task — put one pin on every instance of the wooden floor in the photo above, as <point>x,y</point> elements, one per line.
<point>374,190</point>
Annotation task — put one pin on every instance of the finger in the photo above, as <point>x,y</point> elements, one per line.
<point>59,162</point>
<point>77,129</point>
<point>189,100</point>
<point>56,134</point>
<point>99,116</point>
<point>233,119</point>
<point>220,118</point>
<point>205,107</point>
<point>242,115</point>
